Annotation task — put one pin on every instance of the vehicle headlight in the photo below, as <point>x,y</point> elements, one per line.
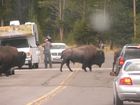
<point>28,54</point>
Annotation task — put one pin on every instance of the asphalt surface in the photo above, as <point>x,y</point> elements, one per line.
<point>51,87</point>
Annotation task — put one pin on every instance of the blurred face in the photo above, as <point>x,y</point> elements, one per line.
<point>46,40</point>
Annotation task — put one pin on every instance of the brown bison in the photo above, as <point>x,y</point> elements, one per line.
<point>87,55</point>
<point>116,55</point>
<point>10,57</point>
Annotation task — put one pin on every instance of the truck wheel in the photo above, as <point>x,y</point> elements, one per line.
<point>8,72</point>
<point>116,100</point>
<point>19,67</point>
<point>30,66</point>
<point>12,71</point>
<point>36,65</point>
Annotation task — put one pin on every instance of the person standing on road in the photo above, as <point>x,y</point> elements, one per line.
<point>47,53</point>
<point>101,45</point>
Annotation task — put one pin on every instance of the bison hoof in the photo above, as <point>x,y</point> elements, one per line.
<point>13,72</point>
<point>71,70</point>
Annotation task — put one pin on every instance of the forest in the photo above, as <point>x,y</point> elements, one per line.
<point>115,22</point>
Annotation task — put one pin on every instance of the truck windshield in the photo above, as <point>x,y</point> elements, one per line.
<point>18,43</point>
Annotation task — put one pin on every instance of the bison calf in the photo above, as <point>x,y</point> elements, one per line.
<point>87,55</point>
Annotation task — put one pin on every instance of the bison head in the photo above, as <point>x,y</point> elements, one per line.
<point>100,57</point>
<point>21,59</point>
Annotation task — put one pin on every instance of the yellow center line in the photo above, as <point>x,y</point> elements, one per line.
<point>54,91</point>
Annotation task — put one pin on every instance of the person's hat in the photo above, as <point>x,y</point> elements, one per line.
<point>48,37</point>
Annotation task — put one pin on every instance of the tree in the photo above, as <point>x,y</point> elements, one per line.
<point>5,10</point>
<point>122,21</point>
<point>70,19</point>
<point>83,34</point>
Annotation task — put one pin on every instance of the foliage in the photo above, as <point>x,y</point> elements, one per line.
<point>73,16</point>
<point>82,33</point>
<point>122,22</point>
<point>5,10</point>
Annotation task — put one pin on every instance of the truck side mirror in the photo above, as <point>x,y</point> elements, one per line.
<point>31,46</point>
<point>37,43</point>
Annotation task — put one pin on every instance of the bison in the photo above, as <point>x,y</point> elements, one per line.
<point>116,55</point>
<point>87,55</point>
<point>10,57</point>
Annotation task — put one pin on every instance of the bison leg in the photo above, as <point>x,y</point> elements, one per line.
<point>1,71</point>
<point>90,68</point>
<point>7,72</point>
<point>84,68</point>
<point>62,63</point>
<point>113,66</point>
<point>68,65</point>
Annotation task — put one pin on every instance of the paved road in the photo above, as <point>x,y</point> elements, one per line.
<point>52,87</point>
<point>91,88</point>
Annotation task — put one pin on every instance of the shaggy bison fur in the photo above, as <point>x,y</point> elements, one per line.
<point>116,55</point>
<point>87,55</point>
<point>10,57</point>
